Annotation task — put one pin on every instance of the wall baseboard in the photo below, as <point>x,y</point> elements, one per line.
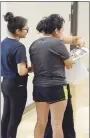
<point>29,107</point>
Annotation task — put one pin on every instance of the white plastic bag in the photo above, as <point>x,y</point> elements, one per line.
<point>77,73</point>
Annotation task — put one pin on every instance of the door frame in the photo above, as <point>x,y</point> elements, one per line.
<point>74,20</point>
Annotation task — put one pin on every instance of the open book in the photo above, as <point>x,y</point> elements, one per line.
<point>78,53</point>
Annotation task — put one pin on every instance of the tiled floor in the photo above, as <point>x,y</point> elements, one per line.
<point>80,95</point>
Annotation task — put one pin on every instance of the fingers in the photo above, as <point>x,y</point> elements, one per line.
<point>80,43</point>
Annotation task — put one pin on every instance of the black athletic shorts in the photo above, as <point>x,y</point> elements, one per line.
<point>50,94</point>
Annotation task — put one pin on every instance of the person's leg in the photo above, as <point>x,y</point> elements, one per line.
<point>57,113</point>
<point>48,129</point>
<point>68,121</point>
<point>18,101</point>
<point>5,116</point>
<point>42,109</point>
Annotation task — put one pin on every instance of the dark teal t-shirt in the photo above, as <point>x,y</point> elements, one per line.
<point>13,52</point>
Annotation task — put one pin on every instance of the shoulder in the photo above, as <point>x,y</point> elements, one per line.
<point>18,47</point>
<point>4,41</point>
<point>34,43</point>
<point>58,41</point>
<point>55,43</point>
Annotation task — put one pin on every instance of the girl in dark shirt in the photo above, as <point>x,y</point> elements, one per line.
<point>50,56</point>
<point>14,71</point>
<point>68,121</point>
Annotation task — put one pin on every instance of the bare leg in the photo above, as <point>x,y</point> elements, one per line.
<point>57,113</point>
<point>42,109</point>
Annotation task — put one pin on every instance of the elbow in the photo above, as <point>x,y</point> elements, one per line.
<point>22,73</point>
<point>69,63</point>
<point>68,66</point>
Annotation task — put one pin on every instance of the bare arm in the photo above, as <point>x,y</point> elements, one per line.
<point>74,40</point>
<point>22,69</point>
<point>68,63</point>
